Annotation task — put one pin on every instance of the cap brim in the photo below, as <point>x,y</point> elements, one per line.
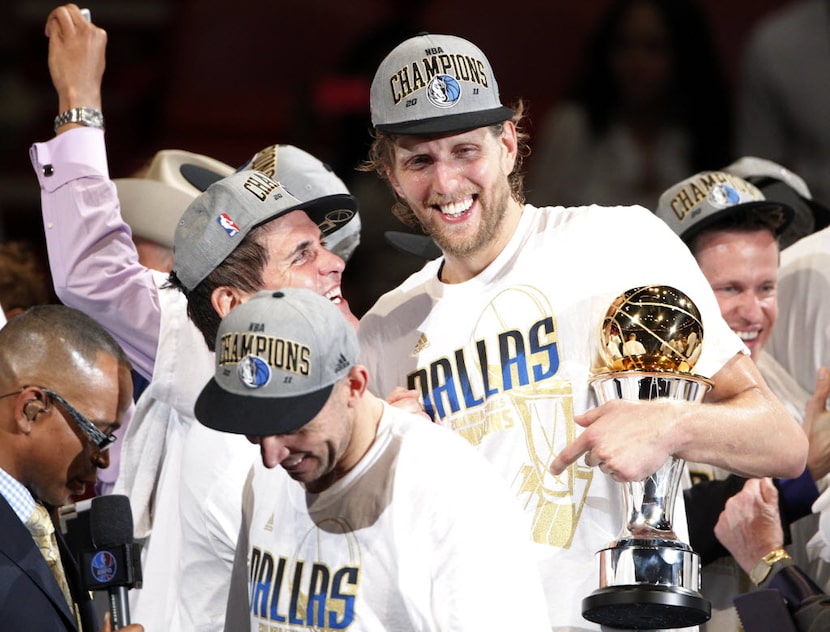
<point>821,214</point>
<point>200,177</point>
<point>810,215</point>
<point>221,410</point>
<point>705,223</point>
<point>408,243</point>
<point>448,123</point>
<point>323,212</point>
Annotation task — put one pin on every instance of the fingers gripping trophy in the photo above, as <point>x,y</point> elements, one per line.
<point>649,579</point>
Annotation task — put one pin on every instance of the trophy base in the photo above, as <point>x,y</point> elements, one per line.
<point>643,607</point>
<point>647,583</point>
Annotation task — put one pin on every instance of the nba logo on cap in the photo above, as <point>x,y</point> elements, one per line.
<point>228,224</point>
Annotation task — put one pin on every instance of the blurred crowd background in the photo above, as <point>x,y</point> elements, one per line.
<point>228,78</point>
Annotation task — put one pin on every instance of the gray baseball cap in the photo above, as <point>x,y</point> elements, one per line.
<point>696,203</point>
<point>340,226</point>
<point>215,223</point>
<point>278,356</point>
<point>435,84</point>
<point>152,203</point>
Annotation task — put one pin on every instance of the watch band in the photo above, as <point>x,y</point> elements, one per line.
<point>762,569</point>
<point>90,117</point>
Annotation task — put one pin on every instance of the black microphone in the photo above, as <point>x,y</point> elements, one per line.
<point>114,563</point>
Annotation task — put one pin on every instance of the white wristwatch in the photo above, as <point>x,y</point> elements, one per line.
<point>91,117</point>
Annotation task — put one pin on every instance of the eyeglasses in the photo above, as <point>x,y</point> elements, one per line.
<point>101,440</point>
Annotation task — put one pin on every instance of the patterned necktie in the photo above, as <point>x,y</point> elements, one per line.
<point>43,533</point>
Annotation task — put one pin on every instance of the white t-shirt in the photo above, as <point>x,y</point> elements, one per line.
<point>184,482</point>
<point>505,358</point>
<point>420,535</point>
<point>800,340</point>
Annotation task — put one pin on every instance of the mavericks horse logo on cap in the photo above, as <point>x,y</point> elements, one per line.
<point>253,371</point>
<point>443,91</point>
<point>723,195</point>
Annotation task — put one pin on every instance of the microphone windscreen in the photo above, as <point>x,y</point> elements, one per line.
<point>110,521</point>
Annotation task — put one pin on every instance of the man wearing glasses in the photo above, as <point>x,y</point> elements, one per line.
<point>50,449</point>
<point>101,440</point>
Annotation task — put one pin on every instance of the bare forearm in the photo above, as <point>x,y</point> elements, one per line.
<point>742,427</point>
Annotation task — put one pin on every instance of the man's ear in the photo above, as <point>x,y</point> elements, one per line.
<point>224,298</point>
<point>393,182</point>
<point>358,381</point>
<point>27,408</point>
<point>510,141</point>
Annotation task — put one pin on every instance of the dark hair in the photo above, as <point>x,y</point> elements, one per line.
<point>23,280</point>
<point>242,269</point>
<point>745,220</point>
<point>704,113</point>
<point>382,158</point>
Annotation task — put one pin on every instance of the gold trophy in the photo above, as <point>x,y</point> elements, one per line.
<point>649,578</point>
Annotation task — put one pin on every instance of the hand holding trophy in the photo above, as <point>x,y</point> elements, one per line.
<point>649,579</point>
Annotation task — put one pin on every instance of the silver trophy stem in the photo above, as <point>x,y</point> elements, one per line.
<point>649,504</point>
<point>649,578</point>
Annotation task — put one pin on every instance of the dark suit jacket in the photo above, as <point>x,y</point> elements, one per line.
<point>792,601</point>
<point>30,598</point>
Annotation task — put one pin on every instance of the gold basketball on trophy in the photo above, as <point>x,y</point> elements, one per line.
<point>652,328</point>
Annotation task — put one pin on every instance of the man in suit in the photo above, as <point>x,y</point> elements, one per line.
<point>50,449</point>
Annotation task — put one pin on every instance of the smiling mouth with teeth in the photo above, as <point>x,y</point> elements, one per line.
<point>747,335</point>
<point>455,209</point>
<point>292,463</point>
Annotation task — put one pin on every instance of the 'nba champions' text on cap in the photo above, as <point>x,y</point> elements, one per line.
<point>707,197</point>
<point>435,84</point>
<point>278,357</point>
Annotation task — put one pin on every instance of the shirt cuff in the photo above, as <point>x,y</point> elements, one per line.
<point>793,584</point>
<point>76,153</point>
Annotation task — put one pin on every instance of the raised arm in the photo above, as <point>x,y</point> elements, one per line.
<point>92,258</point>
